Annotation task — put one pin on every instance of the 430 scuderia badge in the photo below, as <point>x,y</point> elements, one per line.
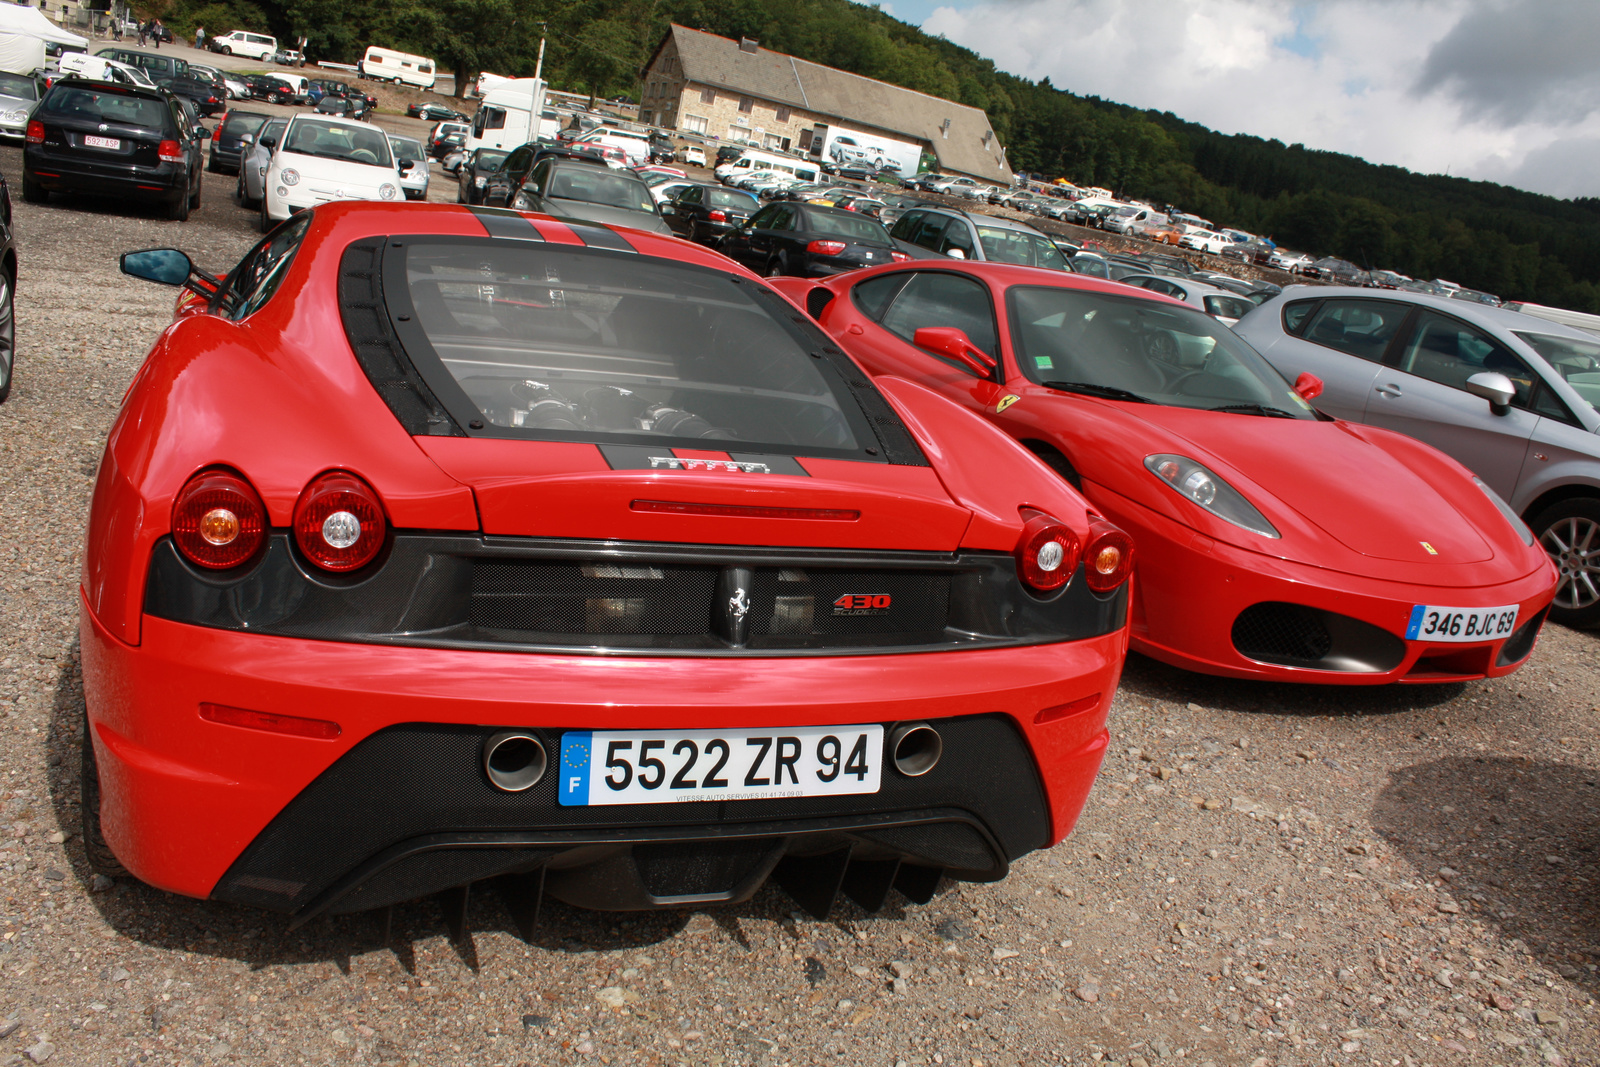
<point>1005,402</point>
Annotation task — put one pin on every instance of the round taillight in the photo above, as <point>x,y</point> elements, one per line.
<point>1109,558</point>
<point>218,520</point>
<point>339,522</point>
<point>1047,553</point>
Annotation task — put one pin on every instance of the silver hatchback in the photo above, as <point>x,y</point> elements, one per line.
<point>1509,396</point>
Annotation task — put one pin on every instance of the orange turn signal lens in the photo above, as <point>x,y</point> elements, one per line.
<point>293,725</point>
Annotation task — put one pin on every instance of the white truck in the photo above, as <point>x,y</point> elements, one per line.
<point>841,146</point>
<point>510,116</point>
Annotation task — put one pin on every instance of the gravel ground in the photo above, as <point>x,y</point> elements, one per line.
<point>1264,875</point>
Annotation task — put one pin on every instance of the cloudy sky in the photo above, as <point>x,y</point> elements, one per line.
<point>1505,90</point>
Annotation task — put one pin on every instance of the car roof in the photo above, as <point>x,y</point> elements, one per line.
<point>1481,314</point>
<point>77,82</point>
<point>313,116</point>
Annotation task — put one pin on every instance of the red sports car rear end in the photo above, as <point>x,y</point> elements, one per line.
<point>436,545</point>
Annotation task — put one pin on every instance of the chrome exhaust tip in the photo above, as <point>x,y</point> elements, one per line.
<point>915,748</point>
<point>514,761</point>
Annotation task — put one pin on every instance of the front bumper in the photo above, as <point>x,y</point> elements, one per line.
<point>398,806</point>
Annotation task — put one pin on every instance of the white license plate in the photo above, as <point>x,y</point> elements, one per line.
<point>1432,623</point>
<point>101,142</point>
<point>665,767</point>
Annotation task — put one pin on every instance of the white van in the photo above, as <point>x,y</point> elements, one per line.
<point>99,69</point>
<point>244,43</point>
<point>505,120</point>
<point>387,65</point>
<point>756,159</point>
<point>298,82</point>
<point>636,146</point>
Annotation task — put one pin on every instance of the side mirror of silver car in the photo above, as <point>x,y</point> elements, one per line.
<point>1494,387</point>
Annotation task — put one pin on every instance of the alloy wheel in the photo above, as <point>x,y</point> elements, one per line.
<point>1573,544</point>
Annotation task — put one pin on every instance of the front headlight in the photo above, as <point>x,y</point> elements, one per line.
<point>289,176</point>
<point>479,182</point>
<point>387,191</point>
<point>1194,482</point>
<point>17,114</point>
<point>1505,509</point>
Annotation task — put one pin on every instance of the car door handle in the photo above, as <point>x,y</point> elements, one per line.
<point>1391,390</point>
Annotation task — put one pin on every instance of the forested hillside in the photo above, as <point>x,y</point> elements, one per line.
<point>1519,245</point>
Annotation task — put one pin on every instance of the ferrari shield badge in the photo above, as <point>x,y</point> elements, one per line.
<point>1005,402</point>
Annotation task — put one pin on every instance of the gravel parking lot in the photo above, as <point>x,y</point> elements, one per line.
<point>1265,875</point>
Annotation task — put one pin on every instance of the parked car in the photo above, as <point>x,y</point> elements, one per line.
<point>1221,304</point>
<point>1273,542</point>
<point>118,141</point>
<point>808,240</point>
<point>939,637</point>
<point>579,189</point>
<point>205,96</point>
<point>502,185</point>
<point>1509,396</point>
<point>692,155</point>
<point>948,185</point>
<point>1090,214</point>
<point>253,164</point>
<point>1477,296</point>
<point>231,138</point>
<point>244,43</point>
<point>664,188</point>
<point>317,88</point>
<point>472,177</point>
<point>349,107</point>
<point>1257,292</point>
<point>936,232</point>
<point>288,57</point>
<point>1332,268</point>
<point>154,64</point>
<point>1293,262</point>
<point>706,213</point>
<point>433,112</point>
<point>413,182</point>
<point>1205,241</point>
<point>439,138</point>
<point>18,94</point>
<point>1088,263</point>
<point>322,159</point>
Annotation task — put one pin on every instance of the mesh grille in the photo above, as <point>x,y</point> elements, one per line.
<point>1519,644</point>
<point>1282,631</point>
<point>685,868</point>
<point>800,602</point>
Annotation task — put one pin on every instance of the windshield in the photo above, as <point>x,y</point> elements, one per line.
<point>1019,246</point>
<point>1156,352</point>
<point>243,122</point>
<point>348,144</point>
<point>489,159</point>
<point>548,341</point>
<point>1576,361</point>
<point>18,86</point>
<point>406,148</point>
<point>593,185</point>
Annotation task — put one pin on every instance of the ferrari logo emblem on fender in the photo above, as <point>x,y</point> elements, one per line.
<point>1431,550</point>
<point>1005,402</point>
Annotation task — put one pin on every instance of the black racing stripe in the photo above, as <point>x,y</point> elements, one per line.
<point>596,236</point>
<point>502,222</point>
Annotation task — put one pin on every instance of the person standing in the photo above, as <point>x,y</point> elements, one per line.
<point>200,38</point>
<point>156,33</point>
<point>144,31</point>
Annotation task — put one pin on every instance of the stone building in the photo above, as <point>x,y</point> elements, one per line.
<point>699,83</point>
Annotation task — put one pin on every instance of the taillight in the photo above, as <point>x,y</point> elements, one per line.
<point>36,132</point>
<point>1109,559</point>
<point>169,152</point>
<point>338,522</point>
<point>218,520</point>
<point>825,248</point>
<point>216,134</point>
<point>718,216</point>
<point>899,257</point>
<point>1047,552</point>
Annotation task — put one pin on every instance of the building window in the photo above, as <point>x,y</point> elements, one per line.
<point>805,140</point>
<point>783,114</point>
<point>708,95</point>
<point>694,123</point>
<point>647,117</point>
<point>746,105</point>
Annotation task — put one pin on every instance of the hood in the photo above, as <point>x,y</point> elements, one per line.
<point>1347,486</point>
<point>334,172</point>
<point>604,213</point>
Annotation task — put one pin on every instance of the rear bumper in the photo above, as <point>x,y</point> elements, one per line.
<point>65,176</point>
<point>292,823</point>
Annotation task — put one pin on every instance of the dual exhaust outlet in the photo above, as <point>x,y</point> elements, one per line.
<point>516,762</point>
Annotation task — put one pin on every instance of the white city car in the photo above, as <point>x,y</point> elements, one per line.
<point>321,158</point>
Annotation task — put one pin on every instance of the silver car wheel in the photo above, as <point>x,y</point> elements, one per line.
<point>1573,544</point>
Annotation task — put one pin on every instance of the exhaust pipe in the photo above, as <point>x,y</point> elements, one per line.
<point>514,761</point>
<point>915,748</point>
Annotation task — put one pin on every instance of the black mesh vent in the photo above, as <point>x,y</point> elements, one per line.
<point>699,867</point>
<point>366,327</point>
<point>1282,631</point>
<point>551,597</point>
<point>1519,644</point>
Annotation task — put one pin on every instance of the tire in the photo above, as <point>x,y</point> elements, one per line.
<point>178,210</point>
<point>101,858</point>
<point>211,164</point>
<point>8,336</point>
<point>266,220</point>
<point>777,266</point>
<point>194,200</point>
<point>1570,532</point>
<point>227,51</point>
<point>32,191</point>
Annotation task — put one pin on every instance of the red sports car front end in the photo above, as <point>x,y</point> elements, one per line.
<point>438,545</point>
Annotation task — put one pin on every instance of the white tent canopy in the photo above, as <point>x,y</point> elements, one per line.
<point>24,32</point>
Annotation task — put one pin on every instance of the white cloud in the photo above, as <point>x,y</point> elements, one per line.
<point>1389,81</point>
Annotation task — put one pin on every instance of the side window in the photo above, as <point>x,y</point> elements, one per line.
<point>906,225</point>
<point>1360,328</point>
<point>958,237</point>
<point>1448,351</point>
<point>929,229</point>
<point>938,299</point>
<point>517,162</point>
<point>690,195</point>
<point>872,297</point>
<point>258,275</point>
<point>540,176</point>
<point>763,219</point>
<point>1294,315</point>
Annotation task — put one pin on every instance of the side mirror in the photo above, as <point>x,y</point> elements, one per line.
<point>269,142</point>
<point>247,138</point>
<point>1494,387</point>
<point>1308,385</point>
<point>954,343</point>
<point>407,166</point>
<point>167,266</point>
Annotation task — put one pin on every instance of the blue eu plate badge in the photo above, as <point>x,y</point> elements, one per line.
<point>574,788</point>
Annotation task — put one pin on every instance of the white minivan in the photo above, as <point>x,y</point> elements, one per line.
<point>387,65</point>
<point>636,146</point>
<point>755,159</point>
<point>321,158</point>
<point>244,43</point>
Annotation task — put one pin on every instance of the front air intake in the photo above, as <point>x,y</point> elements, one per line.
<point>1294,635</point>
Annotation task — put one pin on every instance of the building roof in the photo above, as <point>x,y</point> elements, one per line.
<point>968,146</point>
